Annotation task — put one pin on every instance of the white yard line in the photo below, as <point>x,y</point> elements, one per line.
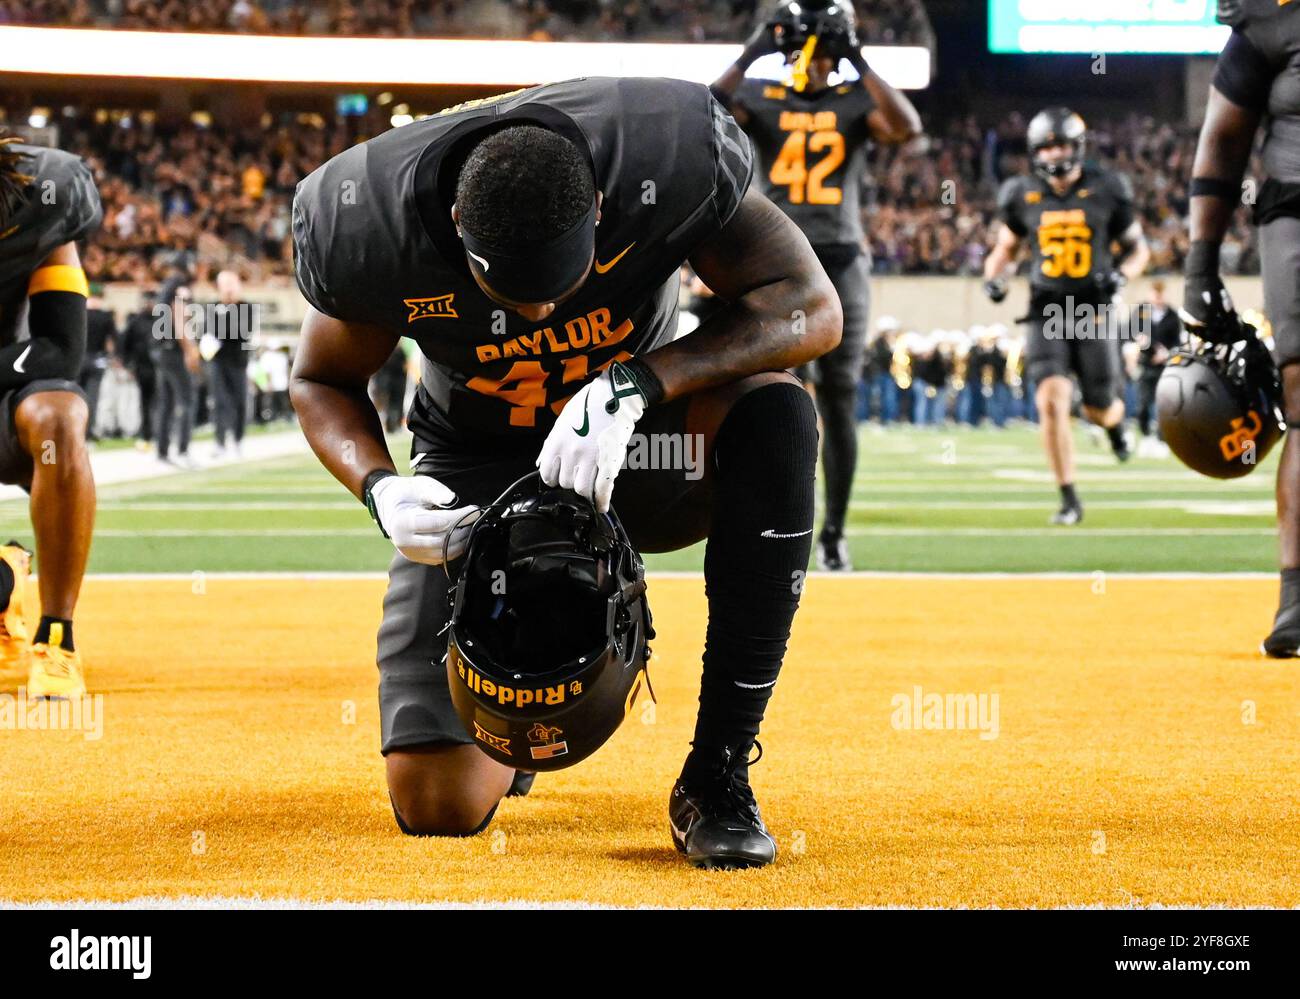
<point>1060,532</point>
<point>257,902</point>
<point>885,532</point>
<point>123,465</point>
<point>1235,507</point>
<point>693,574</point>
<point>237,532</point>
<point>129,507</point>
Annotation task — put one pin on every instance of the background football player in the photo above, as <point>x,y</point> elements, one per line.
<point>811,140</point>
<point>1073,214</point>
<point>533,254</point>
<point>48,201</point>
<point>1252,82</point>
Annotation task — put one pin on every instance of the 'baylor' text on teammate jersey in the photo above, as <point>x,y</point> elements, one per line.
<point>1071,234</point>
<point>61,205</point>
<point>813,150</point>
<point>375,242</point>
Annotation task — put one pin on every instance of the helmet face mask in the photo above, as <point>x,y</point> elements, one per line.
<point>795,23</point>
<point>1056,127</point>
<point>1220,406</point>
<point>548,636</point>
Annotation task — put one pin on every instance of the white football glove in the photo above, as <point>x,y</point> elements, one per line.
<point>585,449</point>
<point>416,512</point>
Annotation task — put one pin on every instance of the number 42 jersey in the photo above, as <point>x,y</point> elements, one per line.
<point>1070,235</point>
<point>813,150</point>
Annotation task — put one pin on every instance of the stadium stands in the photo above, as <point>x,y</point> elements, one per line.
<point>885,21</point>
<point>215,196</point>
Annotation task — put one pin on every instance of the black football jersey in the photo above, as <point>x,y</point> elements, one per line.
<point>61,205</point>
<point>1070,235</point>
<point>813,150</point>
<point>1272,28</point>
<point>673,166</point>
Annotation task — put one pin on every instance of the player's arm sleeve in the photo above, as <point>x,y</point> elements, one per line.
<point>733,164</point>
<point>83,212</point>
<point>1244,74</point>
<point>56,321</point>
<point>1124,215</point>
<point>747,95</point>
<point>1009,207</point>
<point>309,257</point>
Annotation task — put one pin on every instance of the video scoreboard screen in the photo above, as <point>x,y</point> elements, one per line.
<point>1184,27</point>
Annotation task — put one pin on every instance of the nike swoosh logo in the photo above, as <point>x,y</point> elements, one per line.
<point>602,268</point>
<point>769,533</point>
<point>22,359</point>
<point>482,263</point>
<point>586,421</point>
<point>415,462</point>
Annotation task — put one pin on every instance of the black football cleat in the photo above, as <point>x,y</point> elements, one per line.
<point>521,785</point>
<point>1123,450</point>
<point>714,816</point>
<point>833,553</point>
<point>1284,641</point>
<point>1069,515</point>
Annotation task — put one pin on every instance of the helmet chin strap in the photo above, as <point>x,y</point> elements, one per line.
<point>801,63</point>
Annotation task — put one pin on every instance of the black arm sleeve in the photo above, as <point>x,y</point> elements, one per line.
<point>1008,207</point>
<point>720,95</point>
<point>57,321</point>
<point>1243,74</point>
<point>1124,215</point>
<point>734,164</point>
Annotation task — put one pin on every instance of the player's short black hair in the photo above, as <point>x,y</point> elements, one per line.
<point>523,184</point>
<point>13,182</point>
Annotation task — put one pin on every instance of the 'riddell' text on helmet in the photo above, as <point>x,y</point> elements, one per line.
<point>547,646</point>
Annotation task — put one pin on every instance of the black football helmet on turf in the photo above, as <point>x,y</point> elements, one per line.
<point>1220,406</point>
<point>548,641</point>
<point>1055,127</point>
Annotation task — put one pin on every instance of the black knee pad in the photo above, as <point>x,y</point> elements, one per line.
<point>401,824</point>
<point>772,426</point>
<point>765,462</point>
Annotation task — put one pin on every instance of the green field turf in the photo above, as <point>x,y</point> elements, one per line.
<point>924,501</point>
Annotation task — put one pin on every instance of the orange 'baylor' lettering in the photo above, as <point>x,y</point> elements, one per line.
<point>528,385</point>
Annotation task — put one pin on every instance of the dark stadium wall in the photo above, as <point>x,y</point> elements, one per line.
<point>995,85</point>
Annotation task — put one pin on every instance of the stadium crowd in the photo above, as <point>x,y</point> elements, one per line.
<point>934,210</point>
<point>886,21</point>
<point>217,197</point>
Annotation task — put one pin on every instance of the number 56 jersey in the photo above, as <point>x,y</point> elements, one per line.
<point>1070,235</point>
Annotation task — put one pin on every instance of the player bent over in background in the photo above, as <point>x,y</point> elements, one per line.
<point>47,202</point>
<point>1072,213</point>
<point>522,254</point>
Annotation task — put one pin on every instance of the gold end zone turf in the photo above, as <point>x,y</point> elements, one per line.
<point>1145,754</point>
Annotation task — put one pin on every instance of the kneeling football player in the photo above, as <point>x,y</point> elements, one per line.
<point>530,245</point>
<point>48,201</point>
